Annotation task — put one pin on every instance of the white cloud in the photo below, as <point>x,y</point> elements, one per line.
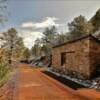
<point>30,38</point>
<point>36,34</point>
<point>29,35</point>
<point>28,42</point>
<point>49,21</point>
<point>27,24</point>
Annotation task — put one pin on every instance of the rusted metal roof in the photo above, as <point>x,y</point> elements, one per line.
<point>78,39</point>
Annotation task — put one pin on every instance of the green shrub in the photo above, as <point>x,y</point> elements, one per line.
<point>3,69</point>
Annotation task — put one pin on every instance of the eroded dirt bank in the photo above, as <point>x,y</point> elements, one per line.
<point>8,90</point>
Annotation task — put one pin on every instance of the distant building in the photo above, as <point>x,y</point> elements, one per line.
<point>79,57</point>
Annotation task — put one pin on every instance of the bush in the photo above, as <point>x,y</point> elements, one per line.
<point>3,69</point>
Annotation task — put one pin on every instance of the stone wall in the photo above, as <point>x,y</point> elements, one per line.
<point>94,55</point>
<point>77,57</point>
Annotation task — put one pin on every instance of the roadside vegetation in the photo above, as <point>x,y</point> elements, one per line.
<point>4,73</point>
<point>3,65</point>
<point>11,52</point>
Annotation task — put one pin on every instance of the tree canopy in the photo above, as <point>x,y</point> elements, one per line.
<point>79,27</point>
<point>95,20</point>
<point>12,43</point>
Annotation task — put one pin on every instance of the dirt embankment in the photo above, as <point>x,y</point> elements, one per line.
<point>7,91</point>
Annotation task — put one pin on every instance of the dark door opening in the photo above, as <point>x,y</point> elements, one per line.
<point>63,58</point>
<point>98,71</point>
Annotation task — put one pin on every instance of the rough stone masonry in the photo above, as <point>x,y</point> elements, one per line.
<point>80,57</point>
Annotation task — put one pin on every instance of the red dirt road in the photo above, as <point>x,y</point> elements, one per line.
<point>32,84</point>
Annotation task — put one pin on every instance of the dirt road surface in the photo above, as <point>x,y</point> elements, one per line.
<point>32,84</point>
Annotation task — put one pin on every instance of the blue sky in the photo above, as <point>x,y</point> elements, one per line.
<point>30,17</point>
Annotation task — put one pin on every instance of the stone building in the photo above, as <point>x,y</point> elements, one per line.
<point>79,57</point>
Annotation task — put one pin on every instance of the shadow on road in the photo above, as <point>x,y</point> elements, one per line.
<point>67,82</point>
